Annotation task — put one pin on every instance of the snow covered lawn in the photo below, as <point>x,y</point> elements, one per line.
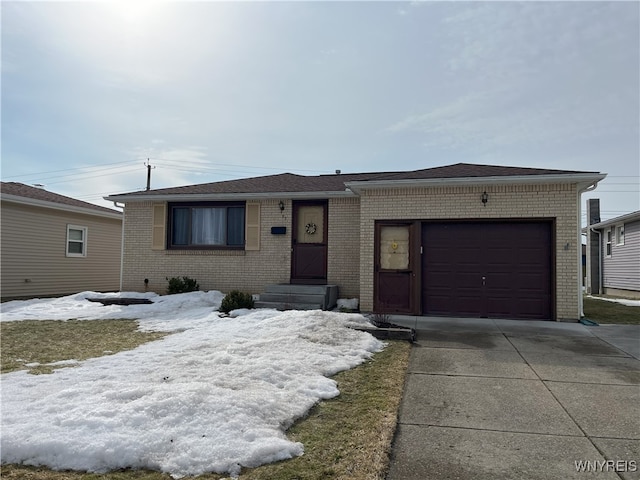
<point>216,395</point>
<point>623,301</point>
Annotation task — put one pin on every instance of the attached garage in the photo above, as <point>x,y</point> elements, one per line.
<point>487,269</point>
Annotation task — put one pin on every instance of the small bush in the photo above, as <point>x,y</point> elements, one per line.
<point>182,285</point>
<point>236,299</point>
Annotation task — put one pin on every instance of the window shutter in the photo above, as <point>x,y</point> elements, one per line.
<point>252,241</point>
<point>159,223</point>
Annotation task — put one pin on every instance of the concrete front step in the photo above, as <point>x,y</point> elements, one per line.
<point>288,306</point>
<point>298,297</point>
<point>293,298</point>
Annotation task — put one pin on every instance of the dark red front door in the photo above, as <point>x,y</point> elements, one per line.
<point>309,243</point>
<point>396,267</point>
<point>487,269</point>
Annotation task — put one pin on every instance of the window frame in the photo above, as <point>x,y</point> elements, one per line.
<point>171,206</point>
<point>620,238</point>
<point>608,241</point>
<point>83,242</point>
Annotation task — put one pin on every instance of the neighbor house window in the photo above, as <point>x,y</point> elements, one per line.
<point>76,241</point>
<point>206,225</point>
<point>607,244</point>
<point>620,235</point>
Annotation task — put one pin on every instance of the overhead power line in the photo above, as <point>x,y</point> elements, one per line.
<point>84,177</point>
<point>38,174</point>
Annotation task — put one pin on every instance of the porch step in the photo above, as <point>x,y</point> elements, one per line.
<point>298,297</point>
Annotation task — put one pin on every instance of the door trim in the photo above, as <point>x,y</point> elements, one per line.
<point>295,277</point>
<point>410,276</point>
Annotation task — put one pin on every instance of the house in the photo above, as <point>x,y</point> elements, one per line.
<point>613,253</point>
<point>459,240</point>
<point>56,245</point>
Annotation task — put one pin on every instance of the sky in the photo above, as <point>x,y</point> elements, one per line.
<point>212,91</point>
<point>199,400</point>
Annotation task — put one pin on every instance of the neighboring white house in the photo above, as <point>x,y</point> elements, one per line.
<point>613,254</point>
<point>56,245</point>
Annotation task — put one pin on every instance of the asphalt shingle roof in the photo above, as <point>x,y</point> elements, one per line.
<point>289,182</point>
<point>35,193</point>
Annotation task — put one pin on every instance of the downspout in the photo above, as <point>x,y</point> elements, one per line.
<point>588,188</point>
<point>115,204</point>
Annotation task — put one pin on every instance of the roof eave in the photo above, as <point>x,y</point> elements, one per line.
<point>629,217</point>
<point>578,178</point>
<point>182,197</point>
<point>33,202</point>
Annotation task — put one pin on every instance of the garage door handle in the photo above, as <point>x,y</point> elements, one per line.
<point>484,281</point>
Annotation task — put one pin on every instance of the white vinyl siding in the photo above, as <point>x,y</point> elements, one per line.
<point>622,269</point>
<point>34,252</point>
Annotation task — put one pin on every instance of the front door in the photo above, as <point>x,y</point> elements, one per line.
<point>309,243</point>
<point>395,268</point>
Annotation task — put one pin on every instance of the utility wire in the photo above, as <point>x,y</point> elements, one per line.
<point>66,170</point>
<point>92,176</point>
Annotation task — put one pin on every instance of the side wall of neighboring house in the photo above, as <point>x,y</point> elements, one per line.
<point>246,270</point>
<point>463,202</point>
<point>34,252</point>
<point>621,270</point>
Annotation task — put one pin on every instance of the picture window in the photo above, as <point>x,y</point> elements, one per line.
<point>206,225</point>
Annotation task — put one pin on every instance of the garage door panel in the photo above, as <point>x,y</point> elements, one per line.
<point>494,269</point>
<point>467,280</point>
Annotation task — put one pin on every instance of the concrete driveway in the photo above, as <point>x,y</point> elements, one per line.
<point>494,399</point>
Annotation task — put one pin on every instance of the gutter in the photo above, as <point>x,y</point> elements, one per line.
<point>579,178</point>
<point>629,217</point>
<point>175,197</point>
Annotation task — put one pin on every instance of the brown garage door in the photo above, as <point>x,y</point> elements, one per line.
<point>487,269</point>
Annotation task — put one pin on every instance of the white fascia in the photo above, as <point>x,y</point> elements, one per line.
<point>58,206</point>
<point>629,217</point>
<point>191,197</point>
<point>582,179</point>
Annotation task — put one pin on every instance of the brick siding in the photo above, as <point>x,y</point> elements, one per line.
<point>351,239</point>
<point>222,270</point>
<point>557,202</point>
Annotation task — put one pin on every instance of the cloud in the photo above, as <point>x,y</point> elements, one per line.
<point>533,75</point>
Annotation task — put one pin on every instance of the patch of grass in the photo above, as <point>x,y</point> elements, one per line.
<point>47,341</point>
<point>602,311</point>
<point>348,437</point>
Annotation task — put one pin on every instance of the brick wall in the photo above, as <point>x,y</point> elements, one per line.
<point>222,270</point>
<point>344,246</point>
<point>463,202</point>
<point>351,239</point>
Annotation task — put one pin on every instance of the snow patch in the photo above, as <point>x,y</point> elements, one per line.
<point>216,395</point>
<point>623,301</point>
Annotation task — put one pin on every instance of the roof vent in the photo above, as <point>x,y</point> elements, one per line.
<point>39,185</point>
<point>338,172</point>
